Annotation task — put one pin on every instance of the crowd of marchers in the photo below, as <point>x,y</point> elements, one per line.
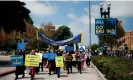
<point>72,59</point>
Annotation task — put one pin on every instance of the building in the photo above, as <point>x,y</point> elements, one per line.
<point>49,30</point>
<point>31,33</point>
<point>127,40</point>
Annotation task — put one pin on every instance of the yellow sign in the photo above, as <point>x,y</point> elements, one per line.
<point>32,60</point>
<point>59,61</point>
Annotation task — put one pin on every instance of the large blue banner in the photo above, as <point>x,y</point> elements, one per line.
<point>17,60</point>
<point>51,56</point>
<point>76,39</point>
<point>21,46</point>
<point>110,26</point>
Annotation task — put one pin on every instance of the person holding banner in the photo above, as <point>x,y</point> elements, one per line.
<point>59,63</point>
<point>20,69</point>
<point>40,62</point>
<point>32,69</point>
<point>79,60</point>
<point>51,59</point>
<point>68,59</point>
<point>45,58</point>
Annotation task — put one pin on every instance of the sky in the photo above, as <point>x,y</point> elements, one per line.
<point>75,15</point>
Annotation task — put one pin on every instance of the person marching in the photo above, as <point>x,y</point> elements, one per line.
<point>40,62</point>
<point>88,58</point>
<point>79,60</point>
<point>51,60</point>
<point>58,68</point>
<point>68,59</point>
<point>37,68</point>
<point>20,69</point>
<point>32,69</point>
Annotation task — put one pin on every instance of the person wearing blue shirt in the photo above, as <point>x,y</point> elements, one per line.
<point>51,59</point>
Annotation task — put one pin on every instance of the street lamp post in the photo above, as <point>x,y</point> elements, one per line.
<point>89,25</point>
<point>106,15</point>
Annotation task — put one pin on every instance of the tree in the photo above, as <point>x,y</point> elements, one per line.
<point>94,47</point>
<point>62,33</point>
<point>41,30</point>
<point>12,16</point>
<point>112,40</point>
<point>37,44</point>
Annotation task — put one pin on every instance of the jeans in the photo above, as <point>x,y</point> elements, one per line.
<point>58,71</point>
<point>79,66</point>
<point>69,65</point>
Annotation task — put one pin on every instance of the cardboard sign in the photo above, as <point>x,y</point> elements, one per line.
<point>51,56</point>
<point>21,46</point>
<point>69,48</point>
<point>39,54</point>
<point>45,55</point>
<point>32,60</point>
<point>17,60</point>
<point>59,61</point>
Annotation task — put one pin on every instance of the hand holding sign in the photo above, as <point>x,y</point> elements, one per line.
<point>59,61</point>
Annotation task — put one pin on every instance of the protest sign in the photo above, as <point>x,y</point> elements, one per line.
<point>59,61</point>
<point>45,55</point>
<point>51,56</point>
<point>21,46</point>
<point>32,60</point>
<point>39,54</point>
<point>17,60</point>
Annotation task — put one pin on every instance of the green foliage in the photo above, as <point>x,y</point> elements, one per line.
<point>36,44</point>
<point>1,30</point>
<point>41,30</point>
<point>114,68</point>
<point>94,47</point>
<point>29,20</point>
<point>12,16</point>
<point>12,44</point>
<point>62,33</point>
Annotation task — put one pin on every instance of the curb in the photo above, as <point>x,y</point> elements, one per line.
<point>99,73</point>
<point>8,72</point>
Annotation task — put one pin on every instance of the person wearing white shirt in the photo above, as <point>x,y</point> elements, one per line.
<point>88,58</point>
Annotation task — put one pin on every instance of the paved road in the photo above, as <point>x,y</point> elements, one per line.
<point>4,61</point>
<point>4,58</point>
<point>88,74</point>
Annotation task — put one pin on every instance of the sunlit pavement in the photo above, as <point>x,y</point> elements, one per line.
<point>87,74</point>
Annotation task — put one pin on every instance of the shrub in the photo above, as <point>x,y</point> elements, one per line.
<point>114,68</point>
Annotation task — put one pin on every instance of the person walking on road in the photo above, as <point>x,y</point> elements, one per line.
<point>20,69</point>
<point>68,59</point>
<point>88,58</point>
<point>58,68</point>
<point>79,60</point>
<point>51,60</point>
<point>32,69</point>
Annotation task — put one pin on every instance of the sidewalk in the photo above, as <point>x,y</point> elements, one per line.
<point>87,74</point>
<point>6,70</point>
